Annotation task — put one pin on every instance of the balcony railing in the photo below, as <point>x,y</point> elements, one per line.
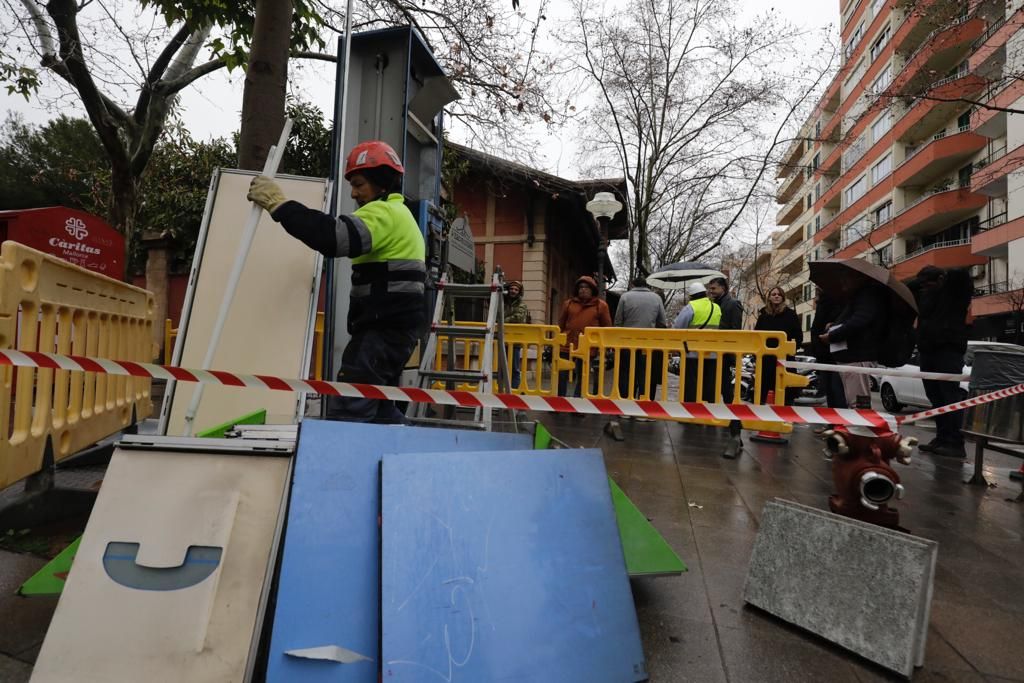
<point>993,156</point>
<point>937,245</point>
<point>992,288</point>
<point>938,136</point>
<point>993,222</point>
<point>989,32</point>
<point>925,43</point>
<point>934,191</point>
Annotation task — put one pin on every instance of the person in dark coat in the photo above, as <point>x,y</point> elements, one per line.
<point>854,337</point>
<point>777,316</point>
<point>732,319</point>
<point>943,299</point>
<point>826,312</point>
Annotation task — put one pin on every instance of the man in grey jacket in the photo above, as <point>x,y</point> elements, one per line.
<point>639,307</point>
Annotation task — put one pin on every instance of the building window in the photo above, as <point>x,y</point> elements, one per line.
<point>810,200</point>
<point>881,126</point>
<point>817,223</point>
<point>964,175</point>
<point>877,6</point>
<point>816,161</point>
<point>881,169</point>
<point>884,256</point>
<point>817,129</point>
<point>855,37</point>
<point>808,291</point>
<point>807,322</point>
<point>855,230</point>
<point>856,190</point>
<point>963,122</point>
<point>882,81</point>
<point>817,192</point>
<point>882,214</point>
<point>879,44</point>
<point>855,151</point>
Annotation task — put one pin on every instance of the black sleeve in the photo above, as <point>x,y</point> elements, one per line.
<point>313,228</point>
<point>732,316</point>
<point>796,330</point>
<point>867,306</point>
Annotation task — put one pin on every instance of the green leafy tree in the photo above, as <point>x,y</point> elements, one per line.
<point>59,163</point>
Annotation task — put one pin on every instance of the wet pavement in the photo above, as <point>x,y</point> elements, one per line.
<point>695,626</point>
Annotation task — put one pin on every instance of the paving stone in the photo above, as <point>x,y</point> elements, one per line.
<point>680,649</point>
<point>14,671</point>
<point>25,620</point>
<point>863,587</point>
<point>988,638</point>
<point>755,656</point>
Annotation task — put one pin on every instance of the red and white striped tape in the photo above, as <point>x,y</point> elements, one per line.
<point>469,399</point>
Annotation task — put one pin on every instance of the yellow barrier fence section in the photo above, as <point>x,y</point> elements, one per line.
<point>609,365</point>
<point>49,305</point>
<point>531,344</point>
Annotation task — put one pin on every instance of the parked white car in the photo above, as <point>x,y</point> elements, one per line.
<point>898,392</point>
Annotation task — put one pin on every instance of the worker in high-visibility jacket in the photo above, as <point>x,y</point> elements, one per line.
<point>387,300</point>
<point>701,313</point>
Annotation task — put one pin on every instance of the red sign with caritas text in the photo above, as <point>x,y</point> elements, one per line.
<point>75,236</point>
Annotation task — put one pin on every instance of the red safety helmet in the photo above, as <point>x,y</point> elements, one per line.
<point>372,154</point>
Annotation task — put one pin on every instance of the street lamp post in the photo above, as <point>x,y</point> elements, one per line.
<point>603,207</point>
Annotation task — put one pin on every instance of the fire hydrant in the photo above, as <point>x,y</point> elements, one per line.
<point>865,481</point>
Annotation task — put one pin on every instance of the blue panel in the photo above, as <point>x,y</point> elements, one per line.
<point>329,585</point>
<point>504,566</point>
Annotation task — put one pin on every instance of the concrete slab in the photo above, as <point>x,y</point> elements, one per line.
<point>865,588</point>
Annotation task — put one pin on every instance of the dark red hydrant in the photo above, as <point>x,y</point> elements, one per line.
<point>864,479</point>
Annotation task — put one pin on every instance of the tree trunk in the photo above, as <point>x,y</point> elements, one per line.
<point>266,81</point>
<point>124,208</point>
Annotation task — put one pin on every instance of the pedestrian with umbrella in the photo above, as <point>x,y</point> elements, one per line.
<point>875,324</point>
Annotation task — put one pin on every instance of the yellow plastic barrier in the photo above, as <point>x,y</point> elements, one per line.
<point>170,334</point>
<point>604,350</point>
<point>532,343</point>
<point>47,304</point>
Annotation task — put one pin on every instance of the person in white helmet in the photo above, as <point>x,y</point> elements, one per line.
<point>701,313</point>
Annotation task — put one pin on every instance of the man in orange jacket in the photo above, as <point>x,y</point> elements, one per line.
<point>584,309</point>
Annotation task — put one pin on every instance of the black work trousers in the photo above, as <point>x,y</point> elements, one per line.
<point>942,393</point>
<point>372,357</point>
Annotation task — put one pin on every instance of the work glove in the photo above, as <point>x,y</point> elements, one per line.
<point>266,193</point>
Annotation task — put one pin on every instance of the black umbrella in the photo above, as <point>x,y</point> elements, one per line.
<point>839,277</point>
<point>676,275</point>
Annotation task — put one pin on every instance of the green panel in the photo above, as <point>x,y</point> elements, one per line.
<point>541,437</point>
<point>257,418</point>
<point>647,552</point>
<point>50,579</point>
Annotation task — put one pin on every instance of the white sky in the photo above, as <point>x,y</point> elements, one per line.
<point>212,107</point>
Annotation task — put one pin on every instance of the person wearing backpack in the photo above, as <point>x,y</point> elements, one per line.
<point>943,300</point>
<point>856,336</point>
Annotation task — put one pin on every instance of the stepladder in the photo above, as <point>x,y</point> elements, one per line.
<point>464,355</point>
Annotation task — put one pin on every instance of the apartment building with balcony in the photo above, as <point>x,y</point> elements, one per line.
<point>909,158</point>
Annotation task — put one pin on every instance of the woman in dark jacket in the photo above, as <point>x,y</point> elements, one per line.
<point>776,316</point>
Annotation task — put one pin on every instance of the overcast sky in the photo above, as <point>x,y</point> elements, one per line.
<point>212,106</point>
